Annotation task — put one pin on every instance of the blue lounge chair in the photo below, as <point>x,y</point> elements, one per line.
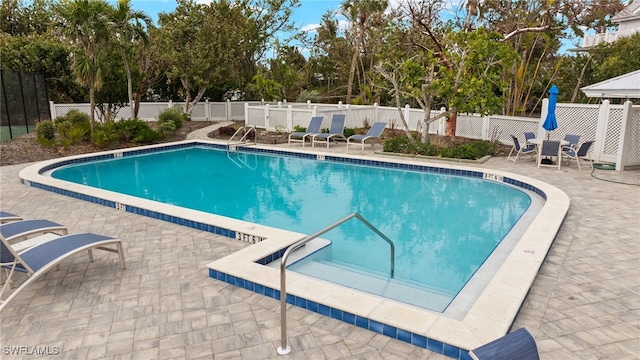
<point>581,153</point>
<point>550,148</point>
<point>312,129</point>
<point>528,136</point>
<point>38,259</point>
<point>573,141</point>
<point>335,132</point>
<point>516,345</point>
<point>21,230</point>
<point>6,217</point>
<point>374,133</point>
<point>520,150</point>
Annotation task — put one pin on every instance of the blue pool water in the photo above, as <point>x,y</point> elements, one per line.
<point>444,226</point>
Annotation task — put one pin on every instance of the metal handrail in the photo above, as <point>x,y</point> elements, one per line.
<point>283,349</point>
<point>255,135</point>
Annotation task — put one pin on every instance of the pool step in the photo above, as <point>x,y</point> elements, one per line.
<point>389,288</point>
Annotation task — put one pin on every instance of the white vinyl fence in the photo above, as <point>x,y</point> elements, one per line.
<point>615,128</point>
<point>149,111</point>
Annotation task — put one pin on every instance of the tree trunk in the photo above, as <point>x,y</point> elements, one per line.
<point>129,82</point>
<point>425,131</point>
<point>136,104</point>
<point>354,64</point>
<point>451,123</point>
<point>577,88</point>
<point>92,107</point>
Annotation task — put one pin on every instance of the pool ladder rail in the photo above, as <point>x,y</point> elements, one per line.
<point>284,349</point>
<point>243,139</point>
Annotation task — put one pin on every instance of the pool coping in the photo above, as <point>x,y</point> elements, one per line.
<point>489,317</point>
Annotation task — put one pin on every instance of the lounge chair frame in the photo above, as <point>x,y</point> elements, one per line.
<point>16,231</point>
<point>335,132</point>
<point>374,132</point>
<point>37,260</point>
<point>301,136</point>
<point>6,217</point>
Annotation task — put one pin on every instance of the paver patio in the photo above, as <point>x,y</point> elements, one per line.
<point>584,304</point>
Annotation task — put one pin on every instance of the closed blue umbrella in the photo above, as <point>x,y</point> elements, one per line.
<point>550,122</point>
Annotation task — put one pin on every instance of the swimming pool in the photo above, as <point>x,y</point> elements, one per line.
<point>488,314</point>
<point>435,255</point>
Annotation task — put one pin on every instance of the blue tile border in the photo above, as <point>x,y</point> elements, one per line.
<point>359,321</point>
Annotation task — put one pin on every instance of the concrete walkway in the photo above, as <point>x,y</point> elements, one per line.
<point>584,304</point>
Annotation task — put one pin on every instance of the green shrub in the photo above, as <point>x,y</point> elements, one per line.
<point>348,132</point>
<point>403,145</point>
<point>74,127</point>
<point>299,128</point>
<point>134,131</point>
<point>173,115</point>
<point>146,135</point>
<point>105,135</point>
<point>73,133</point>
<point>473,150</point>
<point>165,129</point>
<point>74,117</point>
<point>45,132</point>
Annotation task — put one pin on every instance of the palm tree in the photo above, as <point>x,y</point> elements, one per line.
<point>86,24</point>
<point>358,12</point>
<point>129,26</point>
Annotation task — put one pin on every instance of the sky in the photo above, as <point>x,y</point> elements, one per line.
<point>308,15</point>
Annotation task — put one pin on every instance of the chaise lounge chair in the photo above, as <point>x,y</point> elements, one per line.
<point>516,345</point>
<point>374,133</point>
<point>336,131</point>
<point>6,217</point>
<point>312,129</point>
<point>18,231</point>
<point>38,259</point>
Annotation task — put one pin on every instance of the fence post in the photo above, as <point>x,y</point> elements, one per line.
<point>266,116</point>
<point>407,115</point>
<point>442,123</point>
<point>309,105</point>
<point>52,110</point>
<point>375,114</point>
<point>290,118</point>
<point>246,113</point>
<point>601,130</point>
<point>227,110</point>
<point>625,135</point>
<point>485,127</point>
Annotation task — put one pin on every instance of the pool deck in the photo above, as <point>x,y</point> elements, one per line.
<point>584,303</point>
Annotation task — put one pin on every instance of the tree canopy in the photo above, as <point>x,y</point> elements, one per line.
<point>485,56</point>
